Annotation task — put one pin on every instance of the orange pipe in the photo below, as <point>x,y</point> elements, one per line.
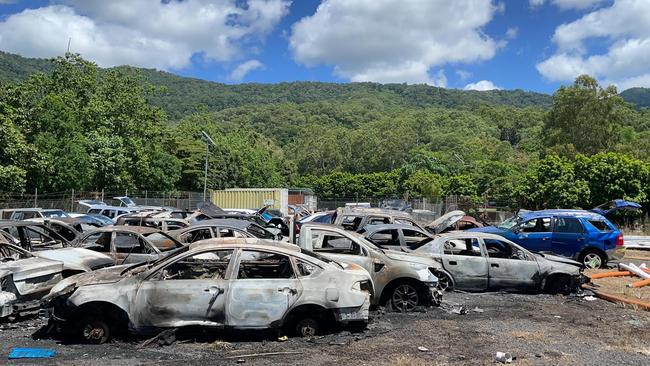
<point>611,274</point>
<point>614,298</point>
<point>640,283</point>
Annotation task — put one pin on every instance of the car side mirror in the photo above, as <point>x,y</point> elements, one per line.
<point>378,264</point>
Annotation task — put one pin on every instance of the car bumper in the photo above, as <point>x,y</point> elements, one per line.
<point>354,314</point>
<point>616,254</point>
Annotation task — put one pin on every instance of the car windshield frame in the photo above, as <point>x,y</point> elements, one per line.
<point>510,223</point>
<point>162,249</point>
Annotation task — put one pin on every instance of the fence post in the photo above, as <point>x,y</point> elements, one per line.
<point>72,201</point>
<point>102,194</point>
<point>35,197</point>
<point>146,198</point>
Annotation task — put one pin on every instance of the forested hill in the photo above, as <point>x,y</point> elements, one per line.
<point>180,96</point>
<point>640,97</point>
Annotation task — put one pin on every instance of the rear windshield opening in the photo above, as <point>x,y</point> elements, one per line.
<point>600,225</point>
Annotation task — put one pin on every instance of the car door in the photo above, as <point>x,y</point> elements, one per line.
<point>510,267</point>
<point>191,290</point>
<point>466,261</point>
<point>264,287</point>
<point>568,236</point>
<point>534,234</point>
<point>413,239</point>
<point>130,248</point>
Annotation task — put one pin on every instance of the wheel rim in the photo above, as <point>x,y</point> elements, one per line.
<point>444,282</point>
<point>94,332</point>
<point>405,298</point>
<point>307,330</point>
<point>592,260</point>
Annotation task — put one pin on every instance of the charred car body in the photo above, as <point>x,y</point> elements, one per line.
<point>480,261</point>
<point>129,244</point>
<point>220,283</point>
<point>402,280</point>
<point>222,228</point>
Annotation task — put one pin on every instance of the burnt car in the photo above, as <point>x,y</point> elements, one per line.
<point>356,219</point>
<point>217,283</point>
<point>161,223</point>
<point>129,244</point>
<point>402,280</point>
<point>396,237</point>
<point>453,221</point>
<point>222,228</point>
<point>25,277</point>
<point>480,261</point>
<point>33,236</point>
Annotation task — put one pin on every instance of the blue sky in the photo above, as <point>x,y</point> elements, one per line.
<point>480,44</point>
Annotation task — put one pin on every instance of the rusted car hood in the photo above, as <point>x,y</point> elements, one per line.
<point>30,268</point>
<point>77,258</point>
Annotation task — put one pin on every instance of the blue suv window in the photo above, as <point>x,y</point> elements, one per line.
<point>600,225</point>
<point>568,225</point>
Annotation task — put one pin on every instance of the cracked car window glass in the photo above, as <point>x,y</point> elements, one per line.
<point>207,265</point>
<point>463,246</point>
<point>538,225</point>
<point>568,225</point>
<point>257,265</point>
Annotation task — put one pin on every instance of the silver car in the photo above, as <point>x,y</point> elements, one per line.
<point>481,261</point>
<point>402,280</point>
<point>222,283</point>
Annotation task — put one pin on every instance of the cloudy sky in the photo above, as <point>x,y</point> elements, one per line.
<point>466,44</point>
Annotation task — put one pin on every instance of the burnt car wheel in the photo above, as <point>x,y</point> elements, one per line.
<point>592,259</point>
<point>444,282</point>
<point>307,327</point>
<point>95,331</point>
<point>405,297</point>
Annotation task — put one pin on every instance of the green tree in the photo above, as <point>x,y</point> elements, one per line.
<point>584,118</point>
<point>552,183</point>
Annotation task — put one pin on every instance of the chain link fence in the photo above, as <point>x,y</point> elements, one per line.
<point>68,200</point>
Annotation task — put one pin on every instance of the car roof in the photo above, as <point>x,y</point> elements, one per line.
<point>134,229</point>
<point>251,243</point>
<point>240,224</point>
<point>9,223</point>
<point>471,234</point>
<point>562,212</point>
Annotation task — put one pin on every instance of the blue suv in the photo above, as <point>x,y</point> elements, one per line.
<point>585,236</point>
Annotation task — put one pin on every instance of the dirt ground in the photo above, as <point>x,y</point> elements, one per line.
<point>536,329</point>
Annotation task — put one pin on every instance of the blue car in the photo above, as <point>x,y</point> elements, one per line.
<point>585,236</point>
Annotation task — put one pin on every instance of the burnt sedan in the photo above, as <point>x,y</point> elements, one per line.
<point>129,244</point>
<point>480,261</point>
<point>222,228</point>
<point>218,283</point>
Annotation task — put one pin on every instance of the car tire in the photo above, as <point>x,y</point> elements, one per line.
<point>94,330</point>
<point>307,327</point>
<point>592,259</point>
<point>405,297</point>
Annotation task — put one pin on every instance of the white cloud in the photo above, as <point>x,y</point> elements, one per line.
<point>512,32</point>
<point>147,33</point>
<point>624,28</point>
<point>481,86</point>
<point>568,4</point>
<point>389,41</point>
<point>244,68</point>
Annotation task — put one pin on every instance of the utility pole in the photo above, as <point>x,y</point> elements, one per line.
<point>208,142</point>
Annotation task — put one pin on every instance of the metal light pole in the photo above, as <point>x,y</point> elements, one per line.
<point>208,142</point>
